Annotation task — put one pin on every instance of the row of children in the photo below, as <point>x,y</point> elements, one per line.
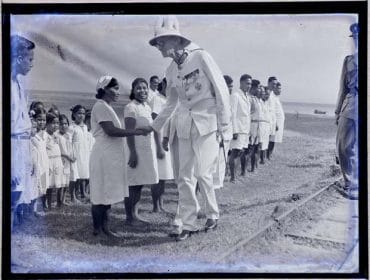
<point>60,159</point>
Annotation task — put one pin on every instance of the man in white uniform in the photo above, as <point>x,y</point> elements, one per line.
<point>21,164</point>
<point>280,116</point>
<point>196,84</point>
<point>271,85</point>
<point>241,122</point>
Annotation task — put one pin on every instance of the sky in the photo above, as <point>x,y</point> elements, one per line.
<point>305,52</point>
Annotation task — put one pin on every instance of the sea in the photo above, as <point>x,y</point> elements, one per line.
<point>308,108</point>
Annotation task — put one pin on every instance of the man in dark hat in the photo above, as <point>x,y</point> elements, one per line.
<point>346,119</point>
<point>21,165</point>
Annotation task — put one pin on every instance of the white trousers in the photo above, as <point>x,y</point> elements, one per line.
<point>197,161</point>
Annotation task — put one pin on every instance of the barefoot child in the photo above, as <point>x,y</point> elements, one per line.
<point>55,160</point>
<point>39,142</point>
<point>65,145</point>
<point>81,147</point>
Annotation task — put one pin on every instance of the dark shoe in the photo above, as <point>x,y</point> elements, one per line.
<point>210,224</point>
<point>174,232</point>
<point>185,234</point>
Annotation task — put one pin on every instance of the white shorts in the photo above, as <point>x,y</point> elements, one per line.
<point>241,142</point>
<point>254,139</point>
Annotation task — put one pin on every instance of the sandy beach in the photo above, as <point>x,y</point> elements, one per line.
<point>62,241</point>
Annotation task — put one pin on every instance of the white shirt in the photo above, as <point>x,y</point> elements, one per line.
<point>20,120</point>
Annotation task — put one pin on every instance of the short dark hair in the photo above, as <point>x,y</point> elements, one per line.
<point>162,85</point>
<point>133,85</point>
<point>272,78</point>
<point>245,77</point>
<point>100,92</point>
<point>75,109</point>
<point>20,46</point>
<point>50,117</point>
<point>34,105</point>
<point>255,83</point>
<point>63,117</point>
<point>153,77</point>
<point>228,79</point>
<point>39,111</point>
<point>54,110</point>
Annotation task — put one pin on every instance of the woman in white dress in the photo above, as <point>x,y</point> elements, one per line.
<point>108,180</point>
<point>143,166</point>
<point>165,170</point>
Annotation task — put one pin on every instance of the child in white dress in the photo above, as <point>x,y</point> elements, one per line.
<point>55,160</point>
<point>143,166</point>
<point>81,148</point>
<point>65,145</point>
<point>39,142</point>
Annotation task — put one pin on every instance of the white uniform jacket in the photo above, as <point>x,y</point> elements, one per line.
<point>240,112</point>
<point>200,89</point>
<point>271,103</point>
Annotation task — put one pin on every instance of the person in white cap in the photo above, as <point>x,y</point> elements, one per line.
<point>347,120</point>
<point>108,179</point>
<point>196,83</point>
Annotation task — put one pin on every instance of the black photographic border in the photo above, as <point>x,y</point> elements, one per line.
<point>356,7</point>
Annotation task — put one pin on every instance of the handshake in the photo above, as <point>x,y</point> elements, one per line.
<point>143,130</point>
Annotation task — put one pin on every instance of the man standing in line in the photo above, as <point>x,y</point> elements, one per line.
<point>153,89</point>
<point>196,84</point>
<point>271,85</point>
<point>241,122</point>
<point>280,116</point>
<point>347,120</point>
<point>21,165</point>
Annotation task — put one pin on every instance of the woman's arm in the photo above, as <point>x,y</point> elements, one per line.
<point>130,124</point>
<point>114,131</point>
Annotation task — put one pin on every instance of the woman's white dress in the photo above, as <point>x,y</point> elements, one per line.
<point>146,170</point>
<point>108,163</point>
<point>165,170</point>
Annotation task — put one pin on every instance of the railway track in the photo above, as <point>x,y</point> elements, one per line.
<point>276,222</point>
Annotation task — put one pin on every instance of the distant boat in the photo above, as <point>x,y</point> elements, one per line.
<point>319,112</point>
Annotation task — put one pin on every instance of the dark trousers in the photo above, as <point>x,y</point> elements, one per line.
<point>346,149</point>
